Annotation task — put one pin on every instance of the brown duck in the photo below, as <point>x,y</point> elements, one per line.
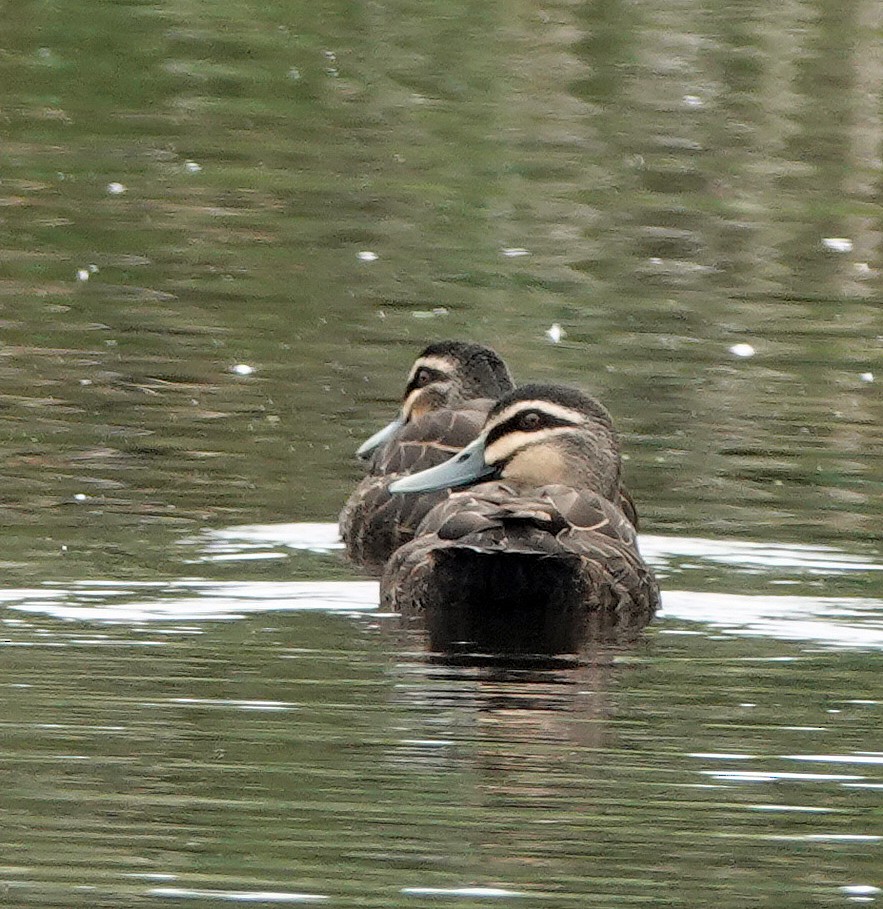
<point>540,557</point>
<point>450,389</point>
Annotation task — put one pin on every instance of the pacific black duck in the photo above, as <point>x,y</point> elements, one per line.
<point>538,558</point>
<point>450,389</point>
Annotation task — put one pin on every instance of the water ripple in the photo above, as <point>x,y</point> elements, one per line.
<point>237,896</point>
<point>842,622</point>
<point>189,600</point>
<point>272,540</point>
<point>833,622</point>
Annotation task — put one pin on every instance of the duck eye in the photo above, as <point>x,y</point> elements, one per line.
<point>530,421</point>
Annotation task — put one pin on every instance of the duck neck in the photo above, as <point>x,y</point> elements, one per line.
<point>590,464</point>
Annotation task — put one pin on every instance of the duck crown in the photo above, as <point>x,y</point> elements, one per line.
<point>567,406</point>
<point>472,370</point>
<point>553,434</point>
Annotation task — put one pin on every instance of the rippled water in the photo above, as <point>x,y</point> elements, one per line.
<point>224,232</point>
<point>839,621</point>
<point>275,741</point>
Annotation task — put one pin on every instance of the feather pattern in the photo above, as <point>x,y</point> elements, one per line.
<point>431,439</point>
<point>449,392</point>
<point>569,552</point>
<point>374,523</point>
<point>541,560</point>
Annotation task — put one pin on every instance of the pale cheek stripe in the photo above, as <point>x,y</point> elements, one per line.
<point>408,403</point>
<point>507,445</point>
<point>438,363</point>
<point>555,410</point>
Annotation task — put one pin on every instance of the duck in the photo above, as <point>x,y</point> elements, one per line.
<point>533,552</point>
<point>448,394</point>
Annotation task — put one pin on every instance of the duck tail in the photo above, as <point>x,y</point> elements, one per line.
<point>516,602</point>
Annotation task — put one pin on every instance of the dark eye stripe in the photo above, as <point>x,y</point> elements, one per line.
<point>513,424</point>
<point>434,376</point>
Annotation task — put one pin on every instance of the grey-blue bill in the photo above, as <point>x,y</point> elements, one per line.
<point>464,468</point>
<point>380,437</point>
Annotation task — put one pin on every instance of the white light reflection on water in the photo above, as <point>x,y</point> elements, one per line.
<point>274,539</point>
<point>477,892</point>
<point>151,875</point>
<point>717,756</point>
<point>807,809</point>
<point>232,702</point>
<point>825,838</point>
<point>251,541</point>
<point>237,896</point>
<point>189,600</point>
<point>861,892</point>
<point>747,555</point>
<point>859,757</point>
<point>761,776</point>
<point>831,621</point>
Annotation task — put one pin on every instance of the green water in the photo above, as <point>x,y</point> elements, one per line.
<point>200,700</point>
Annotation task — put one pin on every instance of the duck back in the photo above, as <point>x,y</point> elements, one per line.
<point>374,523</point>
<point>498,569</point>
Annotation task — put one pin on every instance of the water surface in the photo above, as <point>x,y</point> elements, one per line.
<point>224,232</point>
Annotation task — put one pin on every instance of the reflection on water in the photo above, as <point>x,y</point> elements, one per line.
<point>109,601</point>
<point>260,541</point>
<point>841,622</point>
<point>838,622</point>
<point>224,231</point>
<point>835,621</point>
<point>264,541</point>
<point>298,753</point>
<point>237,896</point>
<point>294,752</point>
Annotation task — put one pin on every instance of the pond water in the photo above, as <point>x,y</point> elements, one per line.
<point>225,230</point>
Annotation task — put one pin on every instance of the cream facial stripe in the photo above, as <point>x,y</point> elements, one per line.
<point>503,448</point>
<point>439,364</point>
<point>555,410</point>
<point>408,403</point>
<point>436,364</point>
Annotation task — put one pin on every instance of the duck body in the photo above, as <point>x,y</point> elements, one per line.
<point>540,570</point>
<point>540,559</point>
<point>374,523</point>
<point>450,390</point>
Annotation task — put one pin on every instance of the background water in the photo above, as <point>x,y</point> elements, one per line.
<point>200,700</point>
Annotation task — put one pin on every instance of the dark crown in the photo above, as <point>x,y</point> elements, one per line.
<point>572,398</point>
<point>482,370</point>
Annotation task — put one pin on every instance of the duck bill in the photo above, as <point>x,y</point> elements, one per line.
<point>464,468</point>
<point>381,437</point>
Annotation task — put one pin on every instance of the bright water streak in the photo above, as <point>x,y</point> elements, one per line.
<point>272,741</point>
<point>225,230</point>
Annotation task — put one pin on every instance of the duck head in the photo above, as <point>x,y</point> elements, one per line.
<point>536,435</point>
<point>445,374</point>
